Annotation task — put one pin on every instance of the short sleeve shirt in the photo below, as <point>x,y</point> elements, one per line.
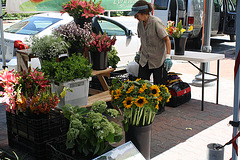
<point>153,49</point>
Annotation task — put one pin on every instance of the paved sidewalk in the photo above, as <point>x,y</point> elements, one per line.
<point>183,133</point>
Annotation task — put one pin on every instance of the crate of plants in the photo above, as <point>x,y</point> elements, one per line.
<point>32,119</point>
<point>90,133</point>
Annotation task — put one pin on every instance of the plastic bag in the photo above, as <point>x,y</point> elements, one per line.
<point>132,68</point>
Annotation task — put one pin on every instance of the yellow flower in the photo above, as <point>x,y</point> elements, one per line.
<point>141,90</point>
<point>138,79</point>
<point>157,105</point>
<point>155,90</point>
<point>169,98</point>
<point>118,94</point>
<point>190,28</point>
<point>140,101</point>
<point>130,89</point>
<point>160,98</point>
<point>128,102</point>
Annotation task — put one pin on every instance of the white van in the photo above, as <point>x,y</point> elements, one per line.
<point>191,13</point>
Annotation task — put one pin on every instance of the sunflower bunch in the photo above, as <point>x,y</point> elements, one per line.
<point>139,100</point>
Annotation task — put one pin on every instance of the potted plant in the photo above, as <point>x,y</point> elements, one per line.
<point>179,35</point>
<point>74,73</point>
<point>139,102</point>
<point>98,48</point>
<point>113,58</point>
<point>30,110</point>
<point>82,10</point>
<point>76,36</point>
<point>90,132</point>
<point>48,47</point>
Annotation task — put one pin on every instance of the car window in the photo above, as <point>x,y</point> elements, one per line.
<point>111,29</point>
<point>161,4</point>
<point>32,25</point>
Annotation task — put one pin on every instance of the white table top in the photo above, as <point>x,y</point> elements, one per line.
<point>200,57</point>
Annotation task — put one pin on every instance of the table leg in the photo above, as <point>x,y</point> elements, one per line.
<point>203,72</point>
<point>218,61</point>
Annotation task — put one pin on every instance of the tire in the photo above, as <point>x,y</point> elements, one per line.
<point>232,38</point>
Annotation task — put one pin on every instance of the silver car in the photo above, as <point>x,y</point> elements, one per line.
<point>16,36</point>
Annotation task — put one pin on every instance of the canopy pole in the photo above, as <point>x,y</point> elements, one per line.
<point>236,84</point>
<point>3,49</point>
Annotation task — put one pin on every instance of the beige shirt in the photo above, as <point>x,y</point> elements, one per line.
<point>153,49</point>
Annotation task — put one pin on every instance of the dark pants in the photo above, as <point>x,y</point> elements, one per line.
<point>159,74</point>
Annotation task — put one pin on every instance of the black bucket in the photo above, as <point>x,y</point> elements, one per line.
<point>141,138</point>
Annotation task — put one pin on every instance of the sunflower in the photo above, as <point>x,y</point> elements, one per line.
<point>128,102</point>
<point>130,89</point>
<point>140,101</point>
<point>138,79</point>
<point>118,94</point>
<point>155,90</point>
<point>141,90</point>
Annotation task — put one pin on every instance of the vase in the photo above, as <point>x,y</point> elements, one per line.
<point>81,20</point>
<point>99,60</point>
<point>179,45</point>
<point>141,138</point>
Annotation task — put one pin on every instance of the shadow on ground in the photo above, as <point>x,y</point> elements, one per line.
<point>176,125</point>
<point>170,128</point>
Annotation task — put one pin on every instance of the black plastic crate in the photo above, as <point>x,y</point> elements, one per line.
<point>37,150</point>
<point>37,130</point>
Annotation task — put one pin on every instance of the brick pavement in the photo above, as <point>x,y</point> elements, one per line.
<point>183,133</point>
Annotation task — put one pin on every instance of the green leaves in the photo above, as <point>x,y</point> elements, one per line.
<point>113,59</point>
<point>72,68</point>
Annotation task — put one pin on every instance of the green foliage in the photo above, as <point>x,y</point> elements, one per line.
<point>48,47</point>
<point>90,131</point>
<point>113,58</point>
<point>74,67</point>
<point>15,16</point>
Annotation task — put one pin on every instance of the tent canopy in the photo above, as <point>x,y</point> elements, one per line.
<point>30,6</point>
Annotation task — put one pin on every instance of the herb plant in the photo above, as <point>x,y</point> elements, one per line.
<point>90,132</point>
<point>48,47</point>
<point>74,67</point>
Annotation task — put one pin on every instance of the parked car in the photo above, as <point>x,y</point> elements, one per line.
<point>191,13</point>
<point>16,35</point>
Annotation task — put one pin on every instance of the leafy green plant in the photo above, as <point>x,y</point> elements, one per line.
<point>90,132</point>
<point>74,67</point>
<point>113,58</point>
<point>48,47</point>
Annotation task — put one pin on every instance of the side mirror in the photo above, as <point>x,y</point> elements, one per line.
<point>129,33</point>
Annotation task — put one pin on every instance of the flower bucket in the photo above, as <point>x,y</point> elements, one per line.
<point>81,20</point>
<point>179,45</point>
<point>99,60</point>
<point>141,138</point>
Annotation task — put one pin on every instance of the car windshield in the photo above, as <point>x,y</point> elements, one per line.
<point>32,25</point>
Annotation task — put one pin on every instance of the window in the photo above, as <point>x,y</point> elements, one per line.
<point>32,25</point>
<point>181,5</point>
<point>231,7</point>
<point>111,29</point>
<point>161,4</point>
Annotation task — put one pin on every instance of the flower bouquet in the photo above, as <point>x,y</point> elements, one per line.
<point>101,42</point>
<point>27,92</point>
<point>98,48</point>
<point>83,8</point>
<point>179,31</point>
<point>76,36</point>
<point>139,100</point>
